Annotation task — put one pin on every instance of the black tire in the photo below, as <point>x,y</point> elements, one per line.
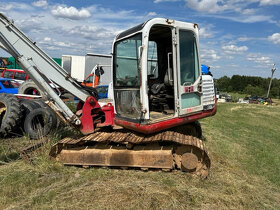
<point>39,123</point>
<point>41,103</point>
<point>10,114</point>
<point>28,105</point>
<point>30,88</point>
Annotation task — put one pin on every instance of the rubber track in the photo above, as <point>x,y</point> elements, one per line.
<point>126,136</point>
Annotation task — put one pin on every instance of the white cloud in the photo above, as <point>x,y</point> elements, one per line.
<point>239,7</point>
<point>47,39</point>
<point>248,11</point>
<point>205,33</point>
<point>112,15</point>
<point>211,6</point>
<point>91,32</point>
<point>255,18</point>
<point>258,58</point>
<point>233,49</point>
<point>159,1</point>
<point>275,38</point>
<point>152,14</point>
<point>6,7</point>
<point>29,24</point>
<point>71,13</point>
<point>40,3</point>
<point>244,39</point>
<point>269,2</point>
<point>209,55</point>
<point>53,44</point>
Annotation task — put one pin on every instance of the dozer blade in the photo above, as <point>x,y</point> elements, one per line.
<point>117,156</point>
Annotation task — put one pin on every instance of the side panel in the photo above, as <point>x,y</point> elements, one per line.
<point>66,63</point>
<point>78,67</point>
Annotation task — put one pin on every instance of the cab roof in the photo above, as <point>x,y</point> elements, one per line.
<point>139,27</point>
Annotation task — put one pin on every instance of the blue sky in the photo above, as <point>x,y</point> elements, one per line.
<point>236,36</point>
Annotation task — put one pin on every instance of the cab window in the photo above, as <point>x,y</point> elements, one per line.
<point>152,60</point>
<point>126,62</point>
<point>189,68</point>
<point>8,74</point>
<point>20,75</point>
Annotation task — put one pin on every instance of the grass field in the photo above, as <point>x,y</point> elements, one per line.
<point>244,144</point>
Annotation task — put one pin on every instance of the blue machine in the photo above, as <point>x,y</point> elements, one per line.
<point>205,69</point>
<point>8,86</point>
<point>102,91</point>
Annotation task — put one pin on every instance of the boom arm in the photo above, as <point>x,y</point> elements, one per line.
<point>41,67</point>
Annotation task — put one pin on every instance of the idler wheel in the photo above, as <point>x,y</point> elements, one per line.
<point>189,162</point>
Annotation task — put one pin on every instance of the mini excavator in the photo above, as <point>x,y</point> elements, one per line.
<point>159,94</point>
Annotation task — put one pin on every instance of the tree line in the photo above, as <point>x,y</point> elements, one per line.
<point>249,85</point>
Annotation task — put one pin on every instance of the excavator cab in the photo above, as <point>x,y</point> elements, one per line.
<point>156,75</point>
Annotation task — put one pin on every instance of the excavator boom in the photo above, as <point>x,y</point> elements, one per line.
<point>41,67</point>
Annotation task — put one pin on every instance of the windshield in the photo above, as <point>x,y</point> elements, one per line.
<point>126,76</point>
<point>126,62</point>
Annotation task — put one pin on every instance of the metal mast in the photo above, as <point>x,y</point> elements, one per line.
<point>272,72</point>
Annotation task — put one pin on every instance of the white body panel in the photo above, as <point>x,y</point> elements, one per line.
<point>75,65</point>
<point>208,92</point>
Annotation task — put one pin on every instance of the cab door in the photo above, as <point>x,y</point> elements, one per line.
<point>188,72</point>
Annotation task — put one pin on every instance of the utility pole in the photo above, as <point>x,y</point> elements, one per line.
<point>272,72</point>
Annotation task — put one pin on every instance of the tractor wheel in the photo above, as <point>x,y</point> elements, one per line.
<point>40,122</point>
<point>29,88</point>
<point>28,105</point>
<point>10,114</point>
<point>42,104</point>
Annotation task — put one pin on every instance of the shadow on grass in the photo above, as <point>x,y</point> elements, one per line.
<point>8,156</point>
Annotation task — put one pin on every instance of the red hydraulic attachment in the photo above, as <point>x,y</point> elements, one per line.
<point>94,116</point>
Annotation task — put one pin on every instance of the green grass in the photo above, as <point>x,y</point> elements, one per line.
<point>243,141</point>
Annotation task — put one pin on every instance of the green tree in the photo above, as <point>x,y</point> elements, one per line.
<point>223,83</point>
<point>274,92</point>
<point>257,91</point>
